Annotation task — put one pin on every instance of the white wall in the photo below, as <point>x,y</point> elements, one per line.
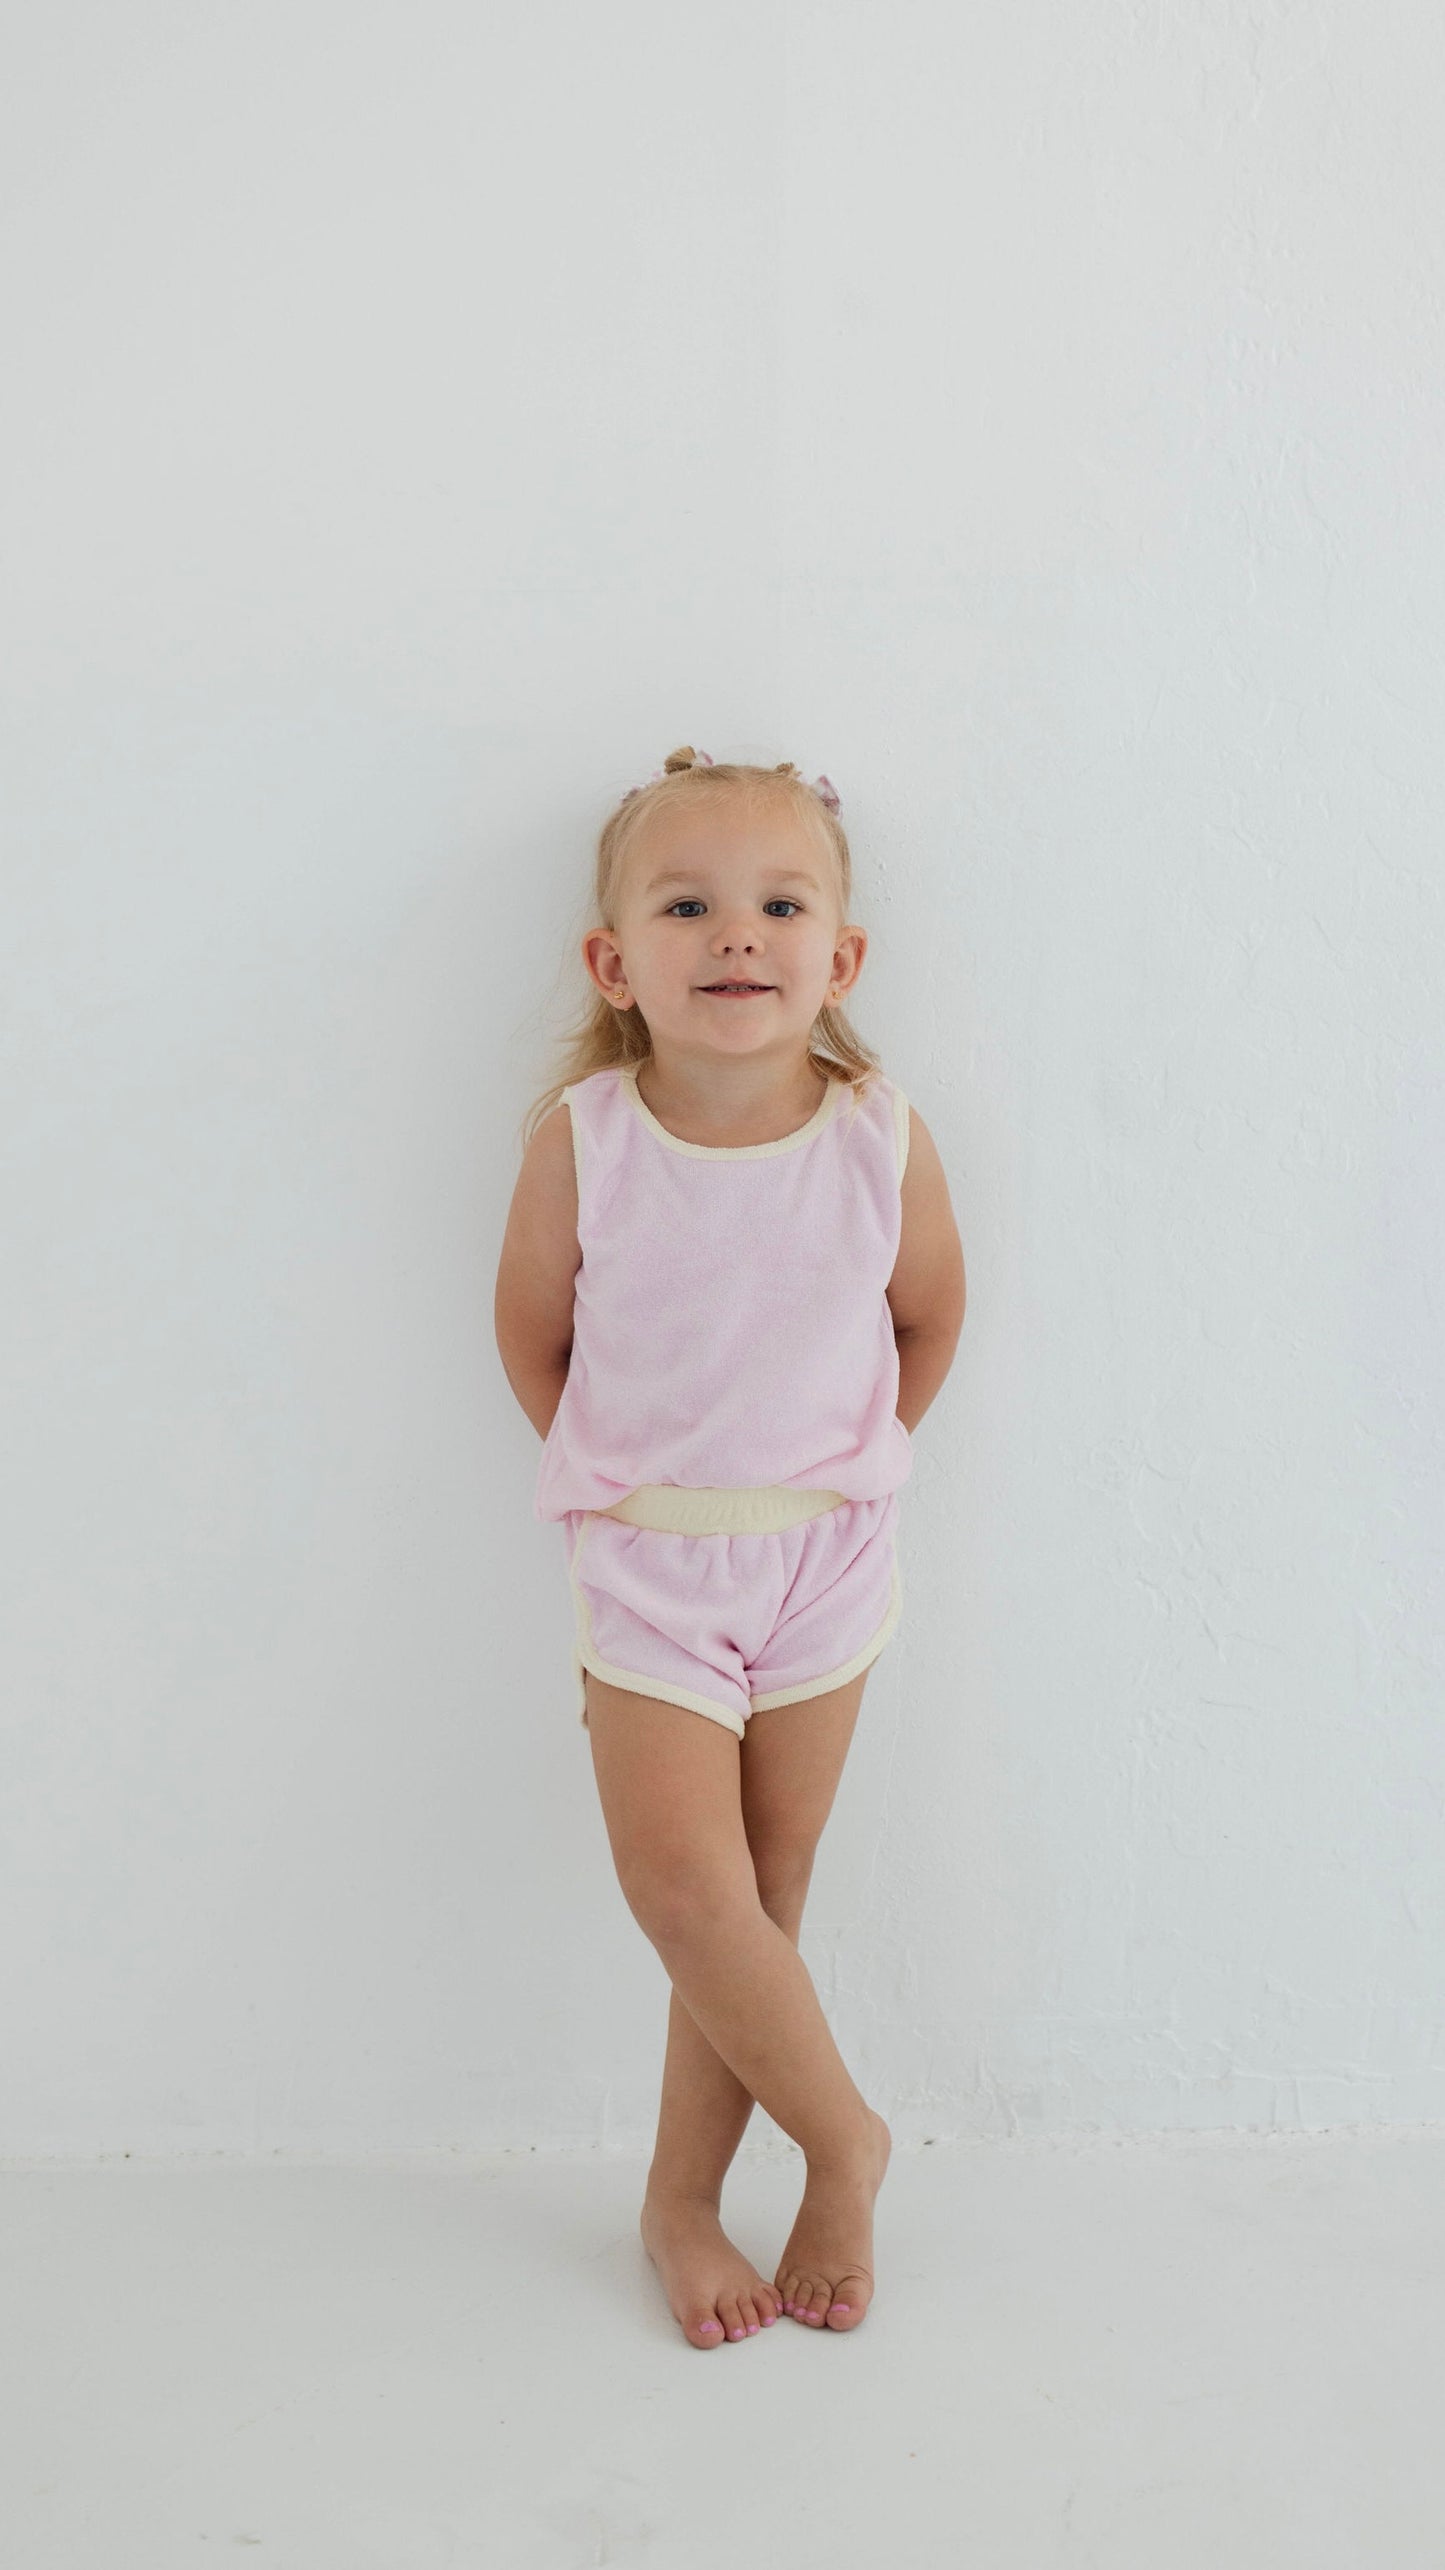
<point>418,420</point>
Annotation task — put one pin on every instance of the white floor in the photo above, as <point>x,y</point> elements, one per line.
<point>1179,2354</point>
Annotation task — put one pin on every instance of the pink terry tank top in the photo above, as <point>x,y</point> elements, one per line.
<point>731,1326</point>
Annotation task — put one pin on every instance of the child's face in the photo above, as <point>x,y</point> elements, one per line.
<point>730,893</point>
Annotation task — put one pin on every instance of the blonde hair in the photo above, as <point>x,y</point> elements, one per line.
<point>605,1037</point>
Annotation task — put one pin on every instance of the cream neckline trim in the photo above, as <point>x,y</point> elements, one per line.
<point>826,1108</point>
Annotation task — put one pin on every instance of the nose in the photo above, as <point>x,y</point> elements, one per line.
<point>736,940</point>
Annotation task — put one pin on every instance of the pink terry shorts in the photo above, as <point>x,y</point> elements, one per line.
<point>726,1623</point>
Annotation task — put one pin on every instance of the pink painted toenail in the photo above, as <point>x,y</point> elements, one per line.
<point>787,2306</point>
<point>840,2306</point>
<point>711,2324</point>
<point>737,2333</point>
<point>769,2318</point>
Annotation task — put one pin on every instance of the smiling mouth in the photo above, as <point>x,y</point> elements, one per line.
<point>736,990</point>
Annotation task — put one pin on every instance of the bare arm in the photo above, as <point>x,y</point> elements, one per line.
<point>927,1290</point>
<point>536,1277</point>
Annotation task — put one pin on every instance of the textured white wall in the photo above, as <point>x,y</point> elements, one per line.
<point>416,421</point>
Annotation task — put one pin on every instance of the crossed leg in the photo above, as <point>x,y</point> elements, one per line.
<point>714,1841</point>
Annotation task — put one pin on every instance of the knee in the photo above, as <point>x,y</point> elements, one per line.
<point>681,1905</point>
<point>783,1874</point>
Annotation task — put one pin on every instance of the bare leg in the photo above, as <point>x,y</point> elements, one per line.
<point>714,2290</point>
<point>791,1760</point>
<point>745,2020</point>
<point>704,2114</point>
<point>682,1859</point>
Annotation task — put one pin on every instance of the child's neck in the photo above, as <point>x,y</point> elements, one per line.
<point>730,1105</point>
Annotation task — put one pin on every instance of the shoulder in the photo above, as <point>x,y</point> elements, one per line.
<point>549,1164</point>
<point>921,1162</point>
<point>928,1285</point>
<point>583,1132</point>
<point>541,1252</point>
<point>888,1112</point>
<point>583,1099</point>
<point>917,1150</point>
<point>596,1088</point>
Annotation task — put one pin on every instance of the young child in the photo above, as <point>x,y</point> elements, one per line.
<point>731,1285</point>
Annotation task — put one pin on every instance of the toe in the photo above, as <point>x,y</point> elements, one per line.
<point>749,2314</point>
<point>704,2329</point>
<point>730,2315</point>
<point>818,2301</point>
<point>849,2301</point>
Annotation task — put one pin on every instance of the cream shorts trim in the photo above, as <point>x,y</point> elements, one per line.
<point>586,1655</point>
<point>661,1693</point>
<point>673,1510</point>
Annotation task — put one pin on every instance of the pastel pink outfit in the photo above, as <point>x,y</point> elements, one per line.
<point>726,1454</point>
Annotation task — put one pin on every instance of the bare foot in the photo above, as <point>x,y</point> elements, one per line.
<point>713,2289</point>
<point>824,2276</point>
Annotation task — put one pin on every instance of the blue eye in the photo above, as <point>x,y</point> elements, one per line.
<point>687,903</point>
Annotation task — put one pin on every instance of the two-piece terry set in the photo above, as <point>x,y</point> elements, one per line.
<point>726,1455</point>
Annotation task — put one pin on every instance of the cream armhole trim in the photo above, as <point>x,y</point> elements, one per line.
<point>573,1119</point>
<point>900,1128</point>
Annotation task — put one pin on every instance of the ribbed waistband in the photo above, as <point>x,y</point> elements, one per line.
<point>674,1510</point>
